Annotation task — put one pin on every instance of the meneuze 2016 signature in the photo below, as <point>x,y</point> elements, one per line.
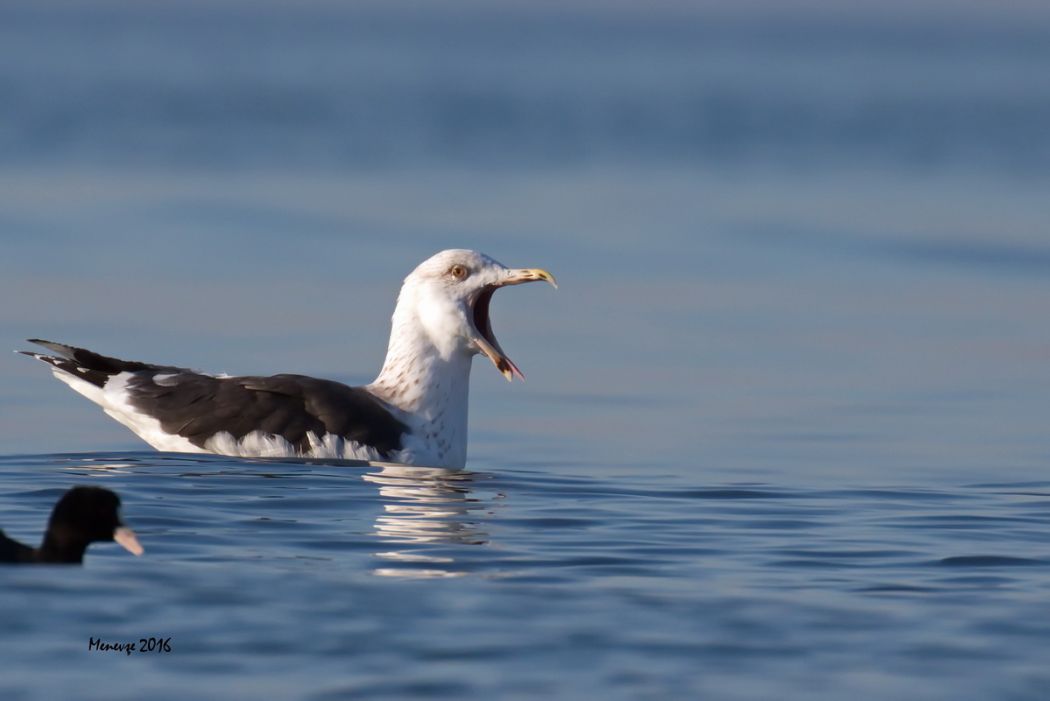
<point>143,645</point>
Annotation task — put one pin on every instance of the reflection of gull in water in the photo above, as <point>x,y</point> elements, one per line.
<point>424,507</point>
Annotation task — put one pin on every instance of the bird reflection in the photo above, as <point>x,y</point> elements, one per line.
<point>426,509</point>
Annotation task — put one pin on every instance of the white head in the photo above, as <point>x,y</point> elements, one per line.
<point>448,296</point>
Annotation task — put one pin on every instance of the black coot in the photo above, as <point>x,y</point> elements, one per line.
<point>83,515</point>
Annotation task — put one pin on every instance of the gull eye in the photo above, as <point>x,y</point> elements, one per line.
<point>460,272</point>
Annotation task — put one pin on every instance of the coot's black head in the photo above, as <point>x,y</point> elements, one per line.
<point>85,515</point>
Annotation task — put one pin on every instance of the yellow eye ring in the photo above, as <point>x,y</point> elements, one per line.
<point>460,272</point>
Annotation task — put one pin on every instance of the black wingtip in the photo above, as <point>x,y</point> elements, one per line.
<point>61,349</point>
<point>39,356</point>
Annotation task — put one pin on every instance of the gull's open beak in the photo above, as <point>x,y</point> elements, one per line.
<point>486,340</point>
<point>516,277</point>
<point>126,537</point>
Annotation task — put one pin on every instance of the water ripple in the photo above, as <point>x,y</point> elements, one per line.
<point>351,572</point>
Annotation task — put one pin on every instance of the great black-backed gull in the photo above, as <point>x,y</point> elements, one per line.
<point>414,412</point>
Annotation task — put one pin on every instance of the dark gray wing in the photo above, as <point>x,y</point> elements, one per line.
<point>199,406</point>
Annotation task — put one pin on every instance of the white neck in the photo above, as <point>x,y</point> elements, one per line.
<point>430,385</point>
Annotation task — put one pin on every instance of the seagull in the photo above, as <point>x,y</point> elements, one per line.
<point>413,413</point>
<point>83,515</point>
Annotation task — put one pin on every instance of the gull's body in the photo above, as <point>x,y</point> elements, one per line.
<point>414,412</point>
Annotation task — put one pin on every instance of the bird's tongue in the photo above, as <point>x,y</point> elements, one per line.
<point>486,340</point>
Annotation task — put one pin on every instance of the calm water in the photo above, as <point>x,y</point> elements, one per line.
<point>327,581</point>
<point>785,433</point>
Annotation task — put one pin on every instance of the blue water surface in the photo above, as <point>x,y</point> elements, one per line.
<point>785,428</point>
<point>292,579</point>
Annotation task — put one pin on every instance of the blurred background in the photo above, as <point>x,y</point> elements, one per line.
<point>794,240</point>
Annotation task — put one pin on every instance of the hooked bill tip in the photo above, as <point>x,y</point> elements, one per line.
<point>509,370</point>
